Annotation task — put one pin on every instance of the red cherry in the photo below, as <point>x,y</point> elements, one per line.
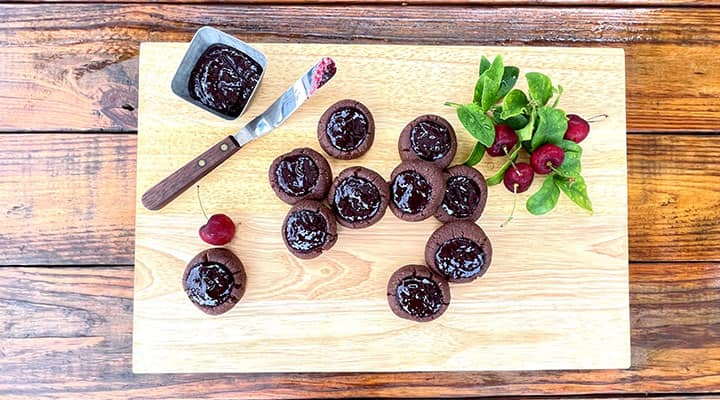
<point>505,139</point>
<point>518,178</point>
<point>218,231</point>
<point>577,129</point>
<point>547,157</point>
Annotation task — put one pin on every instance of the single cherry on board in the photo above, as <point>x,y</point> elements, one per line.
<point>219,229</point>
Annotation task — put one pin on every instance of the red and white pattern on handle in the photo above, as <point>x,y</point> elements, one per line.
<point>324,70</point>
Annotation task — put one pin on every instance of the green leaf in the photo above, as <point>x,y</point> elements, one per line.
<point>491,83</point>
<point>570,168</point>
<point>509,78</point>
<point>517,122</point>
<point>476,155</point>
<point>559,91</point>
<point>479,85</point>
<point>498,176</point>
<point>576,189</point>
<point>477,123</point>
<point>513,104</point>
<point>570,146</point>
<point>544,199</point>
<point>526,132</point>
<point>488,82</point>
<point>490,89</point>
<point>551,127</point>
<point>484,65</point>
<point>540,87</point>
<point>497,111</point>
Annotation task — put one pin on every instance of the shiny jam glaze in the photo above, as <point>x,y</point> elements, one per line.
<point>209,283</point>
<point>430,140</point>
<point>224,79</point>
<point>324,71</point>
<point>356,199</point>
<point>306,230</point>
<point>460,258</point>
<point>297,175</point>
<point>462,196</point>
<point>419,297</point>
<point>347,128</point>
<point>411,192</point>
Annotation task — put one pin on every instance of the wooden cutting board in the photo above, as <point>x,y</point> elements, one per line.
<point>555,297</point>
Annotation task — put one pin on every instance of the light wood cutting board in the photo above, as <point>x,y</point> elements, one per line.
<point>555,297</point>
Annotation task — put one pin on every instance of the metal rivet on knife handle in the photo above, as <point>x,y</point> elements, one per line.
<point>201,163</point>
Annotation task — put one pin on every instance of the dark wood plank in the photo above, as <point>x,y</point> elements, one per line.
<point>673,198</point>
<point>69,198</point>
<point>72,67</point>
<point>67,331</point>
<point>640,3</point>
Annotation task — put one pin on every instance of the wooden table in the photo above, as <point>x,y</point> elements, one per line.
<point>68,97</point>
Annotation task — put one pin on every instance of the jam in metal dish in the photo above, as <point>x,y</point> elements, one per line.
<point>224,79</point>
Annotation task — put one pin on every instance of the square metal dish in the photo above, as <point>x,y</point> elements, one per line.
<point>204,38</point>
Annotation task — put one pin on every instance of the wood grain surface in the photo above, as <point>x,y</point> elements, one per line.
<point>67,199</point>
<point>674,209</point>
<point>556,309</point>
<point>74,67</point>
<point>68,332</point>
<point>637,3</point>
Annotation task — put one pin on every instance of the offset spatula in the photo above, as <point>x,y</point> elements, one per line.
<point>171,187</point>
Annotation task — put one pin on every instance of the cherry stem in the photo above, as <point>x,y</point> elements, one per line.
<point>511,160</point>
<point>597,118</point>
<point>512,212</point>
<point>201,205</point>
<point>553,169</point>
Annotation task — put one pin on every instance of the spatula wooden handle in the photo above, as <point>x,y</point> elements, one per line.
<point>171,187</point>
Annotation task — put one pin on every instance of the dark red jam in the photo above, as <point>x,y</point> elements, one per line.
<point>223,79</point>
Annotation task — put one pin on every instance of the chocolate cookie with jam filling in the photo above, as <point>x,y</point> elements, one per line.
<point>300,174</point>
<point>416,293</point>
<point>459,251</point>
<point>309,229</point>
<point>346,130</point>
<point>358,197</point>
<point>428,138</point>
<point>416,190</point>
<point>465,195</point>
<point>214,280</point>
